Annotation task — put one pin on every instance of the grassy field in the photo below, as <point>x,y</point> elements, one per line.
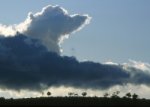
<point>75,101</point>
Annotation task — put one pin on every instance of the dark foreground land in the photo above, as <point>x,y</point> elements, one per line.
<point>75,101</point>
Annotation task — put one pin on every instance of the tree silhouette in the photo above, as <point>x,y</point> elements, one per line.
<point>128,95</point>
<point>115,94</point>
<point>106,95</point>
<point>70,93</point>
<point>75,94</point>
<point>84,94</point>
<point>134,96</point>
<point>48,93</point>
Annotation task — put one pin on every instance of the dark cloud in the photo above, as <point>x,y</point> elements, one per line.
<point>31,60</point>
<point>27,64</point>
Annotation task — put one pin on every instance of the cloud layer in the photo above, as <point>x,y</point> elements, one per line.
<point>29,65</point>
<point>51,26</point>
<point>31,60</point>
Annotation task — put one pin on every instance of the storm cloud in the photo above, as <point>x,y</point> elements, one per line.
<point>29,65</point>
<point>30,56</point>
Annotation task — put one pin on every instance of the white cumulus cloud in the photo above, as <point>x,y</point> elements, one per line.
<point>51,26</point>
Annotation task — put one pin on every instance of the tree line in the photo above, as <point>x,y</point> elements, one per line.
<point>106,95</point>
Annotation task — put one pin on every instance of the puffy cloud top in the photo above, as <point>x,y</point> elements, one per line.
<point>51,26</point>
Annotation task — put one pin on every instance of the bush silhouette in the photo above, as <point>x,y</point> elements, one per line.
<point>135,96</point>
<point>128,95</point>
<point>106,95</point>
<point>70,94</point>
<point>115,94</point>
<point>48,93</point>
<point>84,94</point>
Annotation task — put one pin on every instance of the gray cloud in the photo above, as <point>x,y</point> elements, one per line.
<point>25,65</point>
<point>31,60</point>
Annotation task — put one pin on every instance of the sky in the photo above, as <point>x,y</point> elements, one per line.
<point>114,33</point>
<point>119,29</point>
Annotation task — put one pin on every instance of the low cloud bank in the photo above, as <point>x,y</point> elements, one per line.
<point>25,63</point>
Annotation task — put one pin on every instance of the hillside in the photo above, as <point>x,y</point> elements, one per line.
<point>75,101</point>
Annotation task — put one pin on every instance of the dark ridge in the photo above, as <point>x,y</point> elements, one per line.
<point>74,101</point>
